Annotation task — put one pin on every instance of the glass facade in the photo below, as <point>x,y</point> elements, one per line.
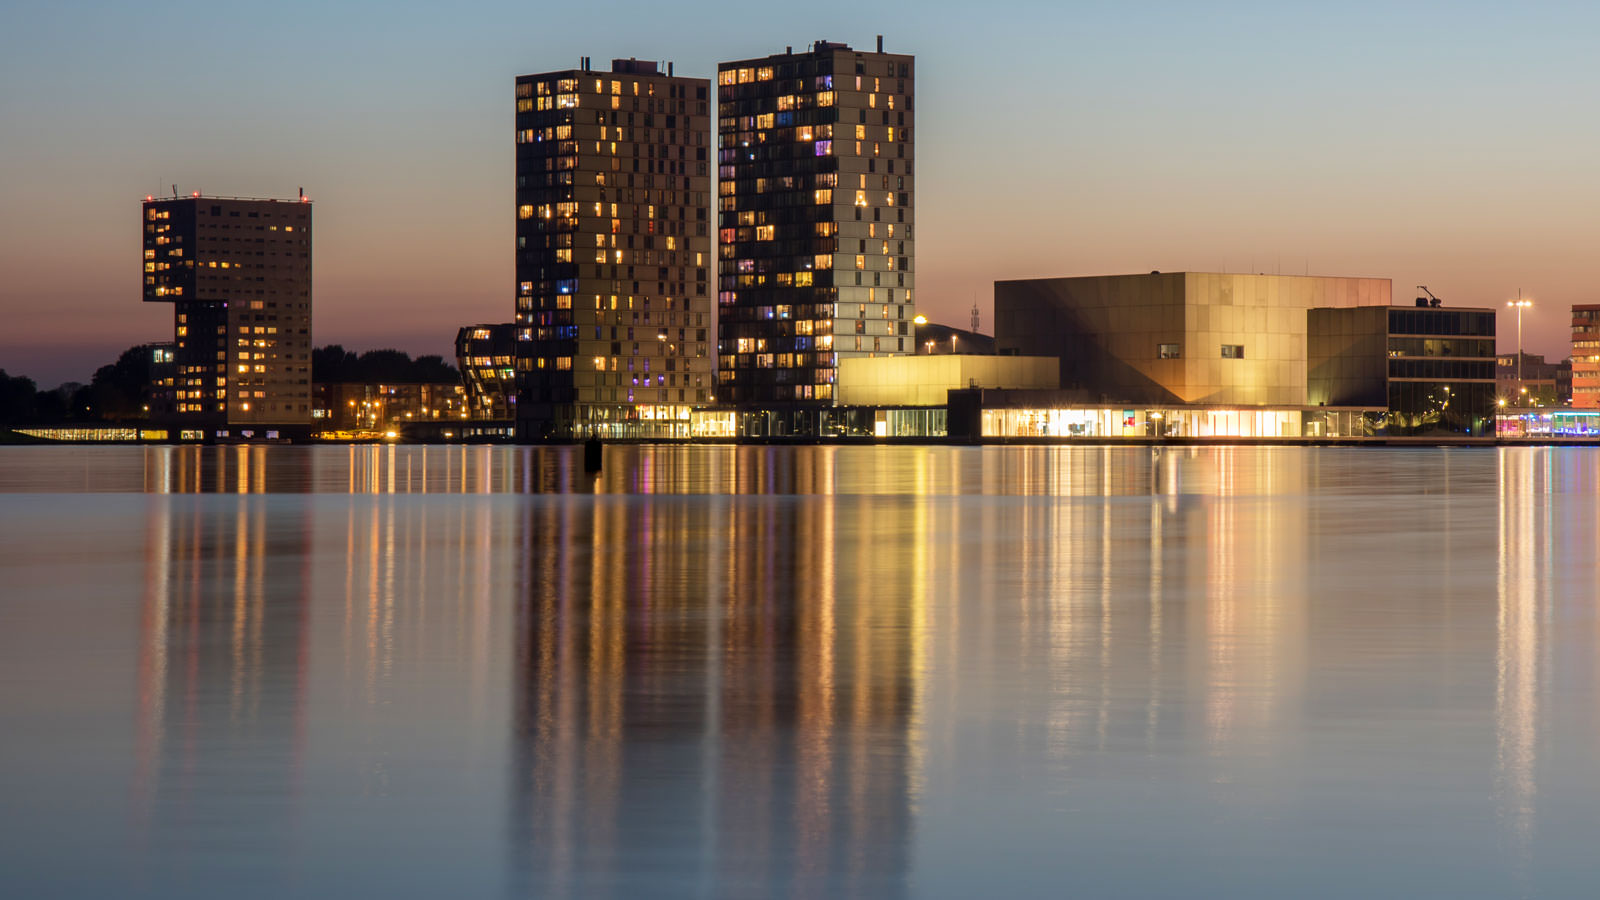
<point>815,217</point>
<point>1139,422</point>
<point>1441,370</point>
<point>613,252</point>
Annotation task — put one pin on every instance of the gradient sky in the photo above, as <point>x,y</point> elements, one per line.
<point>1446,144</point>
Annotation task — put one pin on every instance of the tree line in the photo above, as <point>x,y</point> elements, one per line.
<point>118,392</point>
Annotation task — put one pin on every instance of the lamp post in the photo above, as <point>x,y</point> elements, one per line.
<point>1520,305</point>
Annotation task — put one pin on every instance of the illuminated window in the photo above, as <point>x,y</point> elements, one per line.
<point>1233,351</point>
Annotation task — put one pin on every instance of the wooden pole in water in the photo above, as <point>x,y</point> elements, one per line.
<point>593,454</point>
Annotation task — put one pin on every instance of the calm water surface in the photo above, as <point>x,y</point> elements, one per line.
<point>799,672</point>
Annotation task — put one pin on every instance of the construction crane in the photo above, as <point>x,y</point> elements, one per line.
<point>1429,300</point>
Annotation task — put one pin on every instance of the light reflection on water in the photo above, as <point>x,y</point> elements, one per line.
<point>798,671</point>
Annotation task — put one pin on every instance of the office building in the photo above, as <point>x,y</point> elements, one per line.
<point>1432,368</point>
<point>238,274</point>
<point>1527,380</point>
<point>1586,356</point>
<point>613,239</point>
<point>816,218</point>
<point>1176,338</point>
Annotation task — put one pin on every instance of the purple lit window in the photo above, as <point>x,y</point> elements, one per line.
<point>824,148</point>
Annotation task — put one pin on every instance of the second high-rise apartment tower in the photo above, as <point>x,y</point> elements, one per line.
<point>815,217</point>
<point>613,252</point>
<point>238,274</point>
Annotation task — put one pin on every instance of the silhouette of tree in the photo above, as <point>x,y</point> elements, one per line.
<point>333,363</point>
<point>18,399</point>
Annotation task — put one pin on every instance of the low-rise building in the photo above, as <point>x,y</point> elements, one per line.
<point>1531,381</point>
<point>924,380</point>
<point>356,407</point>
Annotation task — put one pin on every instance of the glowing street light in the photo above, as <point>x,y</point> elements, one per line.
<point>1520,304</point>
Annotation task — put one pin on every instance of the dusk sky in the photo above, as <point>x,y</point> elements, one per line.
<point>1446,144</point>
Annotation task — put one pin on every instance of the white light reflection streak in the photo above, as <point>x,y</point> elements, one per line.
<point>1517,648</point>
<point>1152,711</point>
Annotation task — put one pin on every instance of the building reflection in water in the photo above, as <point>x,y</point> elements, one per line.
<point>724,687</point>
<point>222,674</point>
<point>1184,586</point>
<point>715,695</point>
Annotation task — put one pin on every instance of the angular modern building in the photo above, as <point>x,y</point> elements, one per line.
<point>1586,356</point>
<point>613,308</point>
<point>237,272</point>
<point>1176,338</point>
<point>816,219</point>
<point>486,357</point>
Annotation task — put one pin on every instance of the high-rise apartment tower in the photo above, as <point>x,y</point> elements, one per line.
<point>613,251</point>
<point>238,274</point>
<point>816,219</point>
<point>1585,356</point>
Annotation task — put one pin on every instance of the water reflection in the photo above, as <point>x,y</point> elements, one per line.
<point>741,671</point>
<point>644,469</point>
<point>1524,563</point>
<point>222,677</point>
<point>723,682</point>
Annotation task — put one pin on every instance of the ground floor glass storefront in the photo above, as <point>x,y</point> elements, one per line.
<point>1187,422</point>
<point>1464,408</point>
<point>1548,423</point>
<point>826,422</point>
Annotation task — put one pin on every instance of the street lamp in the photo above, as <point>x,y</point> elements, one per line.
<point>1520,305</point>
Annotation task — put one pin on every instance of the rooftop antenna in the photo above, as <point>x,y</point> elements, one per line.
<point>174,192</point>
<point>974,312</point>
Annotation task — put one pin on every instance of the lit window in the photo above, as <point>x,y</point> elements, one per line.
<point>1169,351</point>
